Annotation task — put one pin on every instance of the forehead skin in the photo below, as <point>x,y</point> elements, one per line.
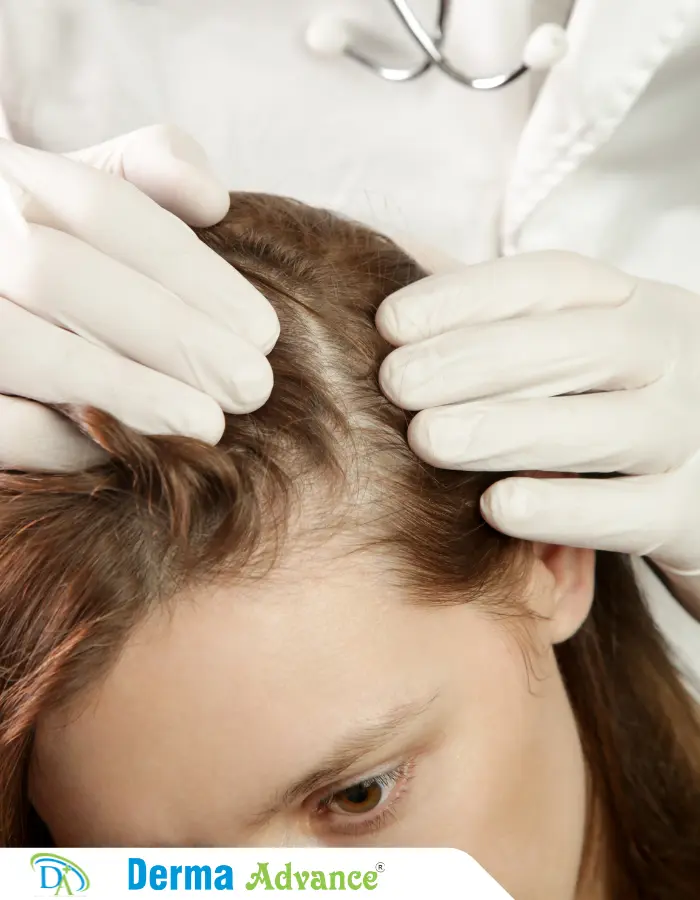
<point>216,707</point>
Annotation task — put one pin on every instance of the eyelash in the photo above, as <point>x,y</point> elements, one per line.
<point>397,779</point>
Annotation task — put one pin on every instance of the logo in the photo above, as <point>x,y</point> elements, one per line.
<point>59,875</point>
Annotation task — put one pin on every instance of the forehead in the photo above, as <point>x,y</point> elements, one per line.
<point>238,687</point>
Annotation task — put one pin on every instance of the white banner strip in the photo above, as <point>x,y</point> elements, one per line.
<point>133,873</point>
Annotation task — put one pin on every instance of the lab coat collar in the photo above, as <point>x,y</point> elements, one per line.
<point>616,46</point>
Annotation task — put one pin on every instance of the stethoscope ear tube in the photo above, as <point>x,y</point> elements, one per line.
<point>331,36</point>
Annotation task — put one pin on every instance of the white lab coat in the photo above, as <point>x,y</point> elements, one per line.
<point>606,163</point>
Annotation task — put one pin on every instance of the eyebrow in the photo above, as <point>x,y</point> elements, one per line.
<point>366,740</point>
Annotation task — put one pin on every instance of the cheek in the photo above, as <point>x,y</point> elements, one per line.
<point>514,797</point>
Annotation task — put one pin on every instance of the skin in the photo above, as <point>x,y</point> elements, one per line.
<point>216,709</point>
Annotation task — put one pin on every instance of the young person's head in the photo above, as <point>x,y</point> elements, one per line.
<point>305,635</point>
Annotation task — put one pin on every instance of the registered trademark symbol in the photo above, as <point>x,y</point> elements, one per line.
<point>379,867</point>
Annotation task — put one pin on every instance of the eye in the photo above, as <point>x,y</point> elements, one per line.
<point>364,805</point>
<point>361,798</point>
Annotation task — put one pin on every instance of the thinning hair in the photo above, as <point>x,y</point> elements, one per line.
<point>84,557</point>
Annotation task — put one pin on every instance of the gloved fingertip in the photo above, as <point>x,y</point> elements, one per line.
<point>251,385</point>
<point>201,418</point>
<point>388,323</point>
<point>509,504</point>
<point>409,315</point>
<point>193,195</point>
<point>172,168</point>
<point>390,378</point>
<point>269,330</point>
<point>427,440</point>
<point>260,325</point>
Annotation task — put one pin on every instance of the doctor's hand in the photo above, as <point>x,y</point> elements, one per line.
<point>552,362</point>
<point>108,299</point>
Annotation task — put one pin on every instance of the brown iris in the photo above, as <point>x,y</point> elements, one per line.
<point>358,799</point>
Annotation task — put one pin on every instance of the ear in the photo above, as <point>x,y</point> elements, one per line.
<point>564,587</point>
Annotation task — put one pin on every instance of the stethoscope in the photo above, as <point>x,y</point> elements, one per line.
<point>332,36</point>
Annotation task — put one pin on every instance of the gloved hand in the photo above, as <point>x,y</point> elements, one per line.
<point>109,299</point>
<point>552,362</point>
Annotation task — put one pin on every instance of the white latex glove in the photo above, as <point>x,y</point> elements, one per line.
<point>109,299</point>
<point>552,362</point>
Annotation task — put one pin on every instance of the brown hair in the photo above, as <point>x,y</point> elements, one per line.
<point>84,556</point>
